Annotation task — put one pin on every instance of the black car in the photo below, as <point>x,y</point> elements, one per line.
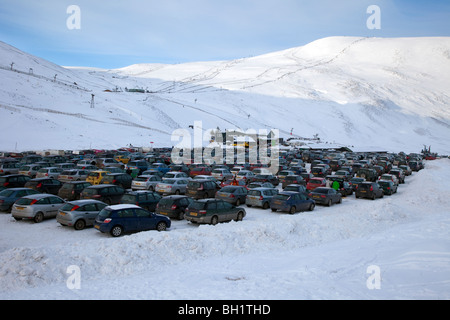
<point>119,179</point>
<point>144,199</point>
<point>324,195</point>
<point>13,181</point>
<point>72,190</point>
<point>202,189</point>
<point>399,173</point>
<point>389,187</point>
<point>369,190</point>
<point>266,178</point>
<point>45,185</point>
<point>355,181</point>
<point>297,179</point>
<point>108,193</point>
<point>368,174</point>
<point>174,206</point>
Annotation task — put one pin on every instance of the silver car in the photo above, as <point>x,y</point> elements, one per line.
<point>49,172</point>
<point>145,182</point>
<point>73,175</point>
<point>7,168</point>
<point>172,186</point>
<point>260,197</point>
<point>222,174</point>
<point>29,170</point>
<point>37,207</point>
<point>79,214</point>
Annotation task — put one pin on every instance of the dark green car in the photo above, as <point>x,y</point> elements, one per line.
<point>213,211</point>
<point>389,187</point>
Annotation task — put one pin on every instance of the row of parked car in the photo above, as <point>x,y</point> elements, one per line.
<point>117,203</point>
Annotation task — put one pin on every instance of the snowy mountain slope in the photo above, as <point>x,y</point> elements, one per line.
<point>389,93</point>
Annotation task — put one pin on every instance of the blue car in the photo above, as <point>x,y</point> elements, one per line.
<point>128,218</point>
<point>159,167</point>
<point>292,202</point>
<point>9,196</point>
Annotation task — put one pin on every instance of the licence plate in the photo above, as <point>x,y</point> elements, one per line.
<point>62,213</point>
<point>97,226</point>
<point>363,191</point>
<point>164,213</point>
<point>277,202</point>
<point>20,208</point>
<point>193,214</point>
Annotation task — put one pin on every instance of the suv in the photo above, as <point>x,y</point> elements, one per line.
<point>369,190</point>
<point>368,174</point>
<point>72,190</point>
<point>107,193</point>
<point>201,189</point>
<point>122,218</point>
<point>213,211</point>
<point>119,179</point>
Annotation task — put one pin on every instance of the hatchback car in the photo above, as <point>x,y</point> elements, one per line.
<point>95,177</point>
<point>44,185</point>
<point>145,182</point>
<point>213,211</point>
<point>172,186</point>
<point>327,196</point>
<point>122,180</point>
<point>37,207</point>
<point>9,196</point>
<point>315,183</point>
<point>72,190</point>
<point>142,198</point>
<point>173,206</point>
<point>233,194</point>
<point>388,187</point>
<point>267,178</point>
<point>49,172</point>
<point>260,197</point>
<point>107,193</point>
<point>7,168</point>
<point>79,214</point>
<point>13,181</point>
<point>296,188</point>
<point>202,189</point>
<point>73,175</point>
<point>297,179</point>
<point>29,170</point>
<point>389,177</point>
<point>222,174</point>
<point>399,173</point>
<point>292,202</point>
<point>128,218</point>
<point>355,181</point>
<point>369,190</point>
<point>200,171</point>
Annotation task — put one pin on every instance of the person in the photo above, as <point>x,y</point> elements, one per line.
<point>335,185</point>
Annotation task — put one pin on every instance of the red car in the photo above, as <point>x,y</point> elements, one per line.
<point>315,183</point>
<point>203,171</point>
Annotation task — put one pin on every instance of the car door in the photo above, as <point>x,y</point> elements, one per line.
<point>54,204</point>
<point>146,220</point>
<point>303,202</point>
<point>211,210</point>
<point>89,213</point>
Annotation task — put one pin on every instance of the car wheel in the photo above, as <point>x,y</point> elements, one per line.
<point>181,215</point>
<point>39,217</point>
<point>116,231</point>
<point>266,205</point>
<point>273,210</point>
<point>214,220</point>
<point>80,225</point>
<point>374,196</point>
<point>240,216</point>
<point>177,192</point>
<point>161,226</point>
<point>340,200</point>
<point>329,203</point>
<point>292,210</point>
<point>238,202</point>
<point>312,206</point>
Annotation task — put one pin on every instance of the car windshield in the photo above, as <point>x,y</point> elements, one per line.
<point>6,193</point>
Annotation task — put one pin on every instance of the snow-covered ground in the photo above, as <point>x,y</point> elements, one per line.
<point>402,241</point>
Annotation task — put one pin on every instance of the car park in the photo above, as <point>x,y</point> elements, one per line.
<point>201,189</point>
<point>108,193</point>
<point>233,194</point>
<point>127,218</point>
<point>70,191</point>
<point>145,182</point>
<point>292,202</point>
<point>13,181</point>
<point>389,187</point>
<point>79,214</point>
<point>37,207</point>
<point>370,190</point>
<point>142,198</point>
<point>122,180</point>
<point>326,196</point>
<point>172,186</point>
<point>260,197</point>
<point>173,206</point>
<point>213,211</point>
<point>9,196</point>
<point>44,185</point>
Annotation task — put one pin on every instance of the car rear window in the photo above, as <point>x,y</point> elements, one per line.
<point>314,181</point>
<point>141,179</point>
<point>166,201</point>
<point>197,205</point>
<point>24,201</point>
<point>194,184</point>
<point>90,191</point>
<point>128,198</point>
<point>6,193</point>
<point>104,213</point>
<point>321,190</point>
<point>254,193</point>
<point>227,190</point>
<point>281,197</point>
<point>67,207</point>
<point>108,179</point>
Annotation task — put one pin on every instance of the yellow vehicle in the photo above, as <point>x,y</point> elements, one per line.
<point>122,158</point>
<point>94,177</point>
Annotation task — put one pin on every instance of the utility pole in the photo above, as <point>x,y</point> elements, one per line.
<point>92,101</point>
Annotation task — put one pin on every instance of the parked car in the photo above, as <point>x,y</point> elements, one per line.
<point>369,190</point>
<point>127,218</point>
<point>283,173</point>
<point>73,175</point>
<point>11,167</point>
<point>203,171</point>
<point>260,197</point>
<point>342,186</point>
<point>172,186</point>
<point>44,185</point>
<point>406,169</point>
<point>9,196</point>
<point>296,188</point>
<point>344,174</point>
<point>173,206</point>
<point>389,187</point>
<point>108,193</point>
<point>158,166</point>
<point>79,214</point>
<point>49,172</point>
<point>145,182</point>
<point>29,170</point>
<point>176,175</point>
<point>233,194</point>
<point>315,183</point>
<point>292,202</point>
<point>319,172</point>
<point>307,176</point>
<point>37,207</point>
<point>355,181</point>
<point>202,189</point>
<point>292,180</point>
<point>72,190</point>
<point>245,175</point>
<point>274,180</point>
<point>324,195</point>
<point>13,181</point>
<point>257,184</point>
<point>389,177</point>
<point>368,174</point>
<point>399,173</point>
<point>95,177</point>
<point>142,198</point>
<point>108,162</point>
<point>222,174</point>
<point>122,180</point>
<point>213,211</point>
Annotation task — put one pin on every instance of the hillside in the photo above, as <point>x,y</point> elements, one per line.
<point>388,93</point>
